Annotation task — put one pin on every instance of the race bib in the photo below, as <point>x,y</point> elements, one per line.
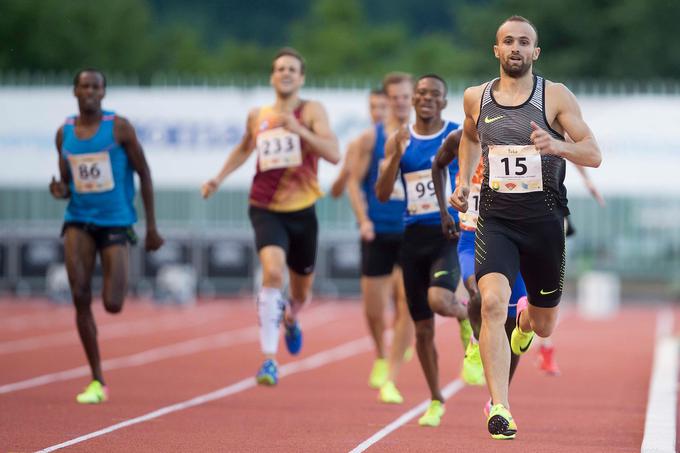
<point>422,198</point>
<point>278,148</point>
<point>468,220</point>
<point>515,169</point>
<point>91,172</point>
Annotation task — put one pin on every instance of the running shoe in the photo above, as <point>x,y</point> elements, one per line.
<point>520,341</point>
<point>268,373</point>
<point>473,370</point>
<point>487,409</point>
<point>500,423</point>
<point>94,393</point>
<point>390,394</point>
<point>433,414</point>
<point>465,332</point>
<point>293,338</point>
<point>546,360</point>
<point>379,374</point>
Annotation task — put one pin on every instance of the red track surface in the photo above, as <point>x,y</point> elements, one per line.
<point>597,405</point>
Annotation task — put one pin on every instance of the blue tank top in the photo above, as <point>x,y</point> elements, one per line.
<point>416,175</point>
<point>387,217</point>
<point>101,182</point>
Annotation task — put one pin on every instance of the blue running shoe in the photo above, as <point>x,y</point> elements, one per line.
<point>293,338</point>
<point>268,373</point>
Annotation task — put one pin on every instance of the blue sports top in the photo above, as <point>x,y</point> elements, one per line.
<point>387,217</point>
<point>101,182</point>
<point>416,174</point>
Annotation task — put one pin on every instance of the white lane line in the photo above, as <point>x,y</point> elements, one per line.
<point>317,360</point>
<point>210,342</point>
<point>661,418</point>
<point>452,388</point>
<point>110,331</point>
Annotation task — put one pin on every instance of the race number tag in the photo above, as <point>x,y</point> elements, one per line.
<point>91,172</point>
<point>422,198</point>
<point>515,169</point>
<point>398,189</point>
<point>278,148</point>
<point>469,219</point>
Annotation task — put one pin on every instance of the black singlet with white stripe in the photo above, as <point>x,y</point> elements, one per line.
<point>514,128</point>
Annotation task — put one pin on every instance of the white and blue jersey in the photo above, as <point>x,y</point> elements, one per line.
<point>101,176</point>
<point>422,207</point>
<point>387,217</point>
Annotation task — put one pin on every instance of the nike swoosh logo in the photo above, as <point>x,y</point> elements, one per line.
<point>545,293</point>
<point>524,349</point>
<point>488,120</point>
<point>440,274</point>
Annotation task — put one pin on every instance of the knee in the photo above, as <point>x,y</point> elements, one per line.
<point>82,297</point>
<point>272,277</point>
<point>494,309</point>
<point>113,305</point>
<point>424,332</point>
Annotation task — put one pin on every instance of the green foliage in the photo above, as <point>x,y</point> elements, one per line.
<point>622,39</point>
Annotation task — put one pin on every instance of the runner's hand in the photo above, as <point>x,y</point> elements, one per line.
<point>544,142</point>
<point>403,137</point>
<point>458,199</point>
<point>338,187</point>
<point>449,227</point>
<point>153,240</point>
<point>58,189</point>
<point>291,123</point>
<point>366,231</point>
<point>209,187</point>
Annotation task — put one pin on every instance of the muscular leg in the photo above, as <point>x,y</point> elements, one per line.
<point>540,320</point>
<point>376,293</point>
<point>474,305</point>
<point>300,289</point>
<point>427,355</point>
<point>80,253</point>
<point>443,302</point>
<point>115,268</point>
<point>493,342</point>
<point>403,326</point>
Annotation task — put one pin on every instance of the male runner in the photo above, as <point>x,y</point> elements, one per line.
<point>517,122</point>
<point>290,136</point>
<point>381,227</point>
<point>429,259</point>
<point>98,155</point>
<point>377,109</point>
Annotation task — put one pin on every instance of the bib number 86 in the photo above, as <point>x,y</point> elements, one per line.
<point>89,172</point>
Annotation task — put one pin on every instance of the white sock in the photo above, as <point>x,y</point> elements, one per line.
<point>270,311</point>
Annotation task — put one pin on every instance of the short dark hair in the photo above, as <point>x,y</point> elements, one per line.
<point>393,78</point>
<point>290,52</point>
<point>436,77</point>
<point>379,91</point>
<point>518,18</point>
<point>76,79</point>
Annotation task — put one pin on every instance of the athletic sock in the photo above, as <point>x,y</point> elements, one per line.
<point>270,311</point>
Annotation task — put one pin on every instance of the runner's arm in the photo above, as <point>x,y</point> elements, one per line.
<point>590,186</point>
<point>387,173</point>
<point>469,150</point>
<point>360,149</point>
<point>446,153</point>
<point>584,150</point>
<point>320,137</point>
<point>125,135</point>
<point>59,189</point>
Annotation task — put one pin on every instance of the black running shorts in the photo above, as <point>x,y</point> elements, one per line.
<point>104,236</point>
<point>379,256</point>
<point>427,259</point>
<point>536,248</point>
<point>295,232</point>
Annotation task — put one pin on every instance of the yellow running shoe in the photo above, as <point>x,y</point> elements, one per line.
<point>94,393</point>
<point>520,341</point>
<point>500,423</point>
<point>473,370</point>
<point>465,332</point>
<point>389,394</point>
<point>379,374</point>
<point>433,414</point>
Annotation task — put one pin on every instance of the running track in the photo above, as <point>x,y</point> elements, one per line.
<point>181,380</point>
